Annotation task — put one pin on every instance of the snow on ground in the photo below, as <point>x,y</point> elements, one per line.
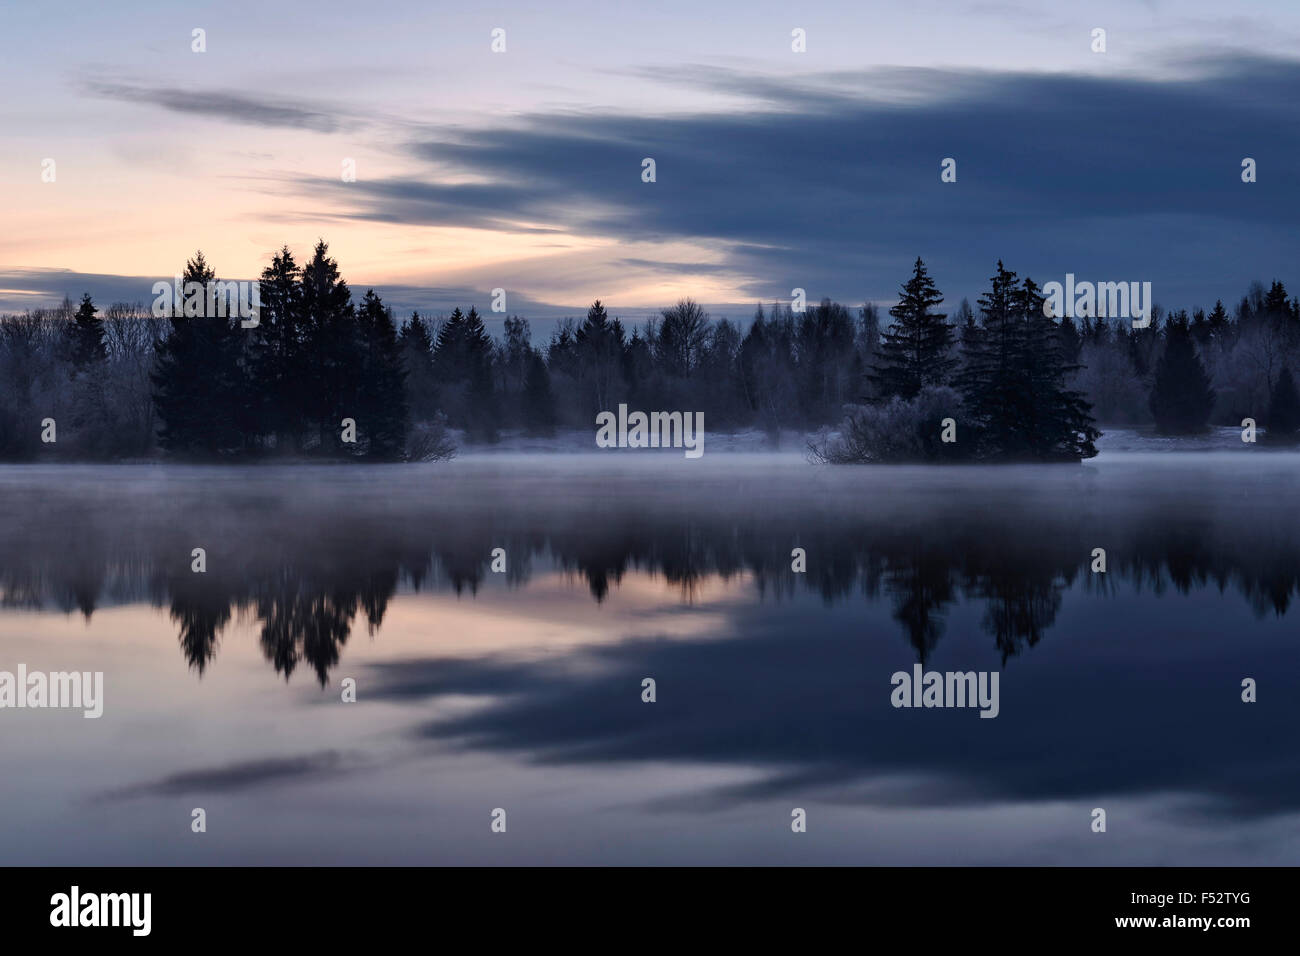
<point>583,440</point>
<point>1113,440</point>
<point>1130,439</point>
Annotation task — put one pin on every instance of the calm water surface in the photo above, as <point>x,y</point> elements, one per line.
<point>522,690</point>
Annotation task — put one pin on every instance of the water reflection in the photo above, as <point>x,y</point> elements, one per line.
<point>310,568</point>
<point>481,689</point>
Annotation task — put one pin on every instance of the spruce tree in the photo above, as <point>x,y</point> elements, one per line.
<point>916,350</point>
<point>277,357</point>
<point>462,364</point>
<point>198,386</point>
<point>416,333</point>
<point>538,411</point>
<point>382,417</point>
<point>417,353</point>
<point>478,352</point>
<point>1275,301</point>
<point>599,344</point>
<point>85,336</point>
<point>332,348</point>
<point>83,347</point>
<point>450,369</point>
<point>1014,382</point>
<point>1181,397</point>
<point>1200,328</point>
<point>1283,410</point>
<point>1059,419</point>
<point>990,385</point>
<point>449,362</point>
<point>1218,321</point>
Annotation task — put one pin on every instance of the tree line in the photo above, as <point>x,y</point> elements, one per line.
<point>1018,385</point>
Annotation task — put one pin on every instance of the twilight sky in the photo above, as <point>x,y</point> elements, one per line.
<point>775,169</point>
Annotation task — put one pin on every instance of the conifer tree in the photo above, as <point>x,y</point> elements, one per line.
<point>332,347</point>
<point>449,362</point>
<point>599,344</point>
<point>417,353</point>
<point>1218,321</point>
<point>1059,420</point>
<point>85,336</point>
<point>1275,301</point>
<point>538,411</point>
<point>277,358</point>
<point>382,417</point>
<point>990,386</point>
<point>462,363</point>
<point>84,348</point>
<point>1181,397</point>
<point>1013,385</point>
<point>916,350</point>
<point>450,369</point>
<point>1283,410</point>
<point>478,351</point>
<point>416,333</point>
<point>197,377</point>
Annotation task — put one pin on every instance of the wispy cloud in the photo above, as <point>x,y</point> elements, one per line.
<point>237,107</point>
<point>241,776</point>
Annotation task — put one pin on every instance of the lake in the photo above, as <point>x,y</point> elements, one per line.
<point>522,689</point>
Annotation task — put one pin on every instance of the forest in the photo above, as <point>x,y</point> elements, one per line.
<point>81,383</point>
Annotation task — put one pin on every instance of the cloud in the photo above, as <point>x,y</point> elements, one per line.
<point>685,268</point>
<point>240,776</point>
<point>36,288</point>
<point>479,206</point>
<point>224,105</point>
<point>22,289</point>
<point>824,720</point>
<point>832,182</point>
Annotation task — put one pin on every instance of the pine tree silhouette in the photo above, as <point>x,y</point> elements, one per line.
<point>1013,384</point>
<point>277,357</point>
<point>538,411</point>
<point>1283,421</point>
<point>417,354</point>
<point>332,347</point>
<point>916,350</point>
<point>599,344</point>
<point>1059,419</point>
<point>449,362</point>
<point>1218,321</point>
<point>198,378</point>
<point>1181,397</point>
<point>382,417</point>
<point>990,383</point>
<point>85,336</point>
<point>478,351</point>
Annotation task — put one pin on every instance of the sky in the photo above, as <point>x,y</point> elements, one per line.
<point>774,169</point>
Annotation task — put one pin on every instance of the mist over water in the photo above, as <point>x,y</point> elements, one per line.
<point>522,689</point>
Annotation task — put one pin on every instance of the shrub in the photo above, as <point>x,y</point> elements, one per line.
<point>896,431</point>
<point>430,441</point>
